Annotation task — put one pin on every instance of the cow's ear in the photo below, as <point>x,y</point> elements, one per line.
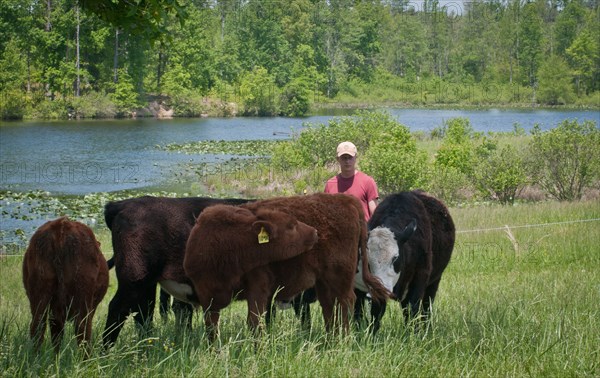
<point>404,235</point>
<point>264,231</point>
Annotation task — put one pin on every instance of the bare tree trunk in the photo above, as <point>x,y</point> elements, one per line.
<point>116,57</point>
<point>48,12</point>
<point>77,62</point>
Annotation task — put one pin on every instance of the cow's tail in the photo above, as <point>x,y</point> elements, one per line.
<point>111,209</point>
<point>378,292</point>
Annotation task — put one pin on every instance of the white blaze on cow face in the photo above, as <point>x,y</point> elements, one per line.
<point>383,251</point>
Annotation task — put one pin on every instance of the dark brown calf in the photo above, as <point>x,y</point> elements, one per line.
<point>65,277</point>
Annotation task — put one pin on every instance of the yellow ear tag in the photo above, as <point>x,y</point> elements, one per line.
<point>263,236</point>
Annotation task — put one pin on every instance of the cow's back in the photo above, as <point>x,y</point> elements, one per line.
<point>337,218</point>
<point>149,233</point>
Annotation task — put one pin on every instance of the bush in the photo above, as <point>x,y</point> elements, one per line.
<point>566,160</point>
<point>501,175</point>
<point>94,105</point>
<point>458,148</point>
<point>394,161</point>
<point>258,93</point>
<point>12,104</point>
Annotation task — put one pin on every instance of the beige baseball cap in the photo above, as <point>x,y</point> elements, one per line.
<point>346,148</point>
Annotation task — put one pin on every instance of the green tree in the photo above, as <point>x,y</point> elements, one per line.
<point>125,96</point>
<point>565,160</point>
<point>148,18</point>
<point>584,54</point>
<point>554,82</point>
<point>530,42</point>
<point>258,93</point>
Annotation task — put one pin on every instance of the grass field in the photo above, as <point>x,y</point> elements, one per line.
<point>522,301</point>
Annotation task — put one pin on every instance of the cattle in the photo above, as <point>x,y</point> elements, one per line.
<point>149,235</point>
<point>228,242</point>
<point>65,277</point>
<point>329,266</point>
<point>410,243</point>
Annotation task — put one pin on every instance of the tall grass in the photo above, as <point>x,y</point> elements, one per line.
<point>524,302</point>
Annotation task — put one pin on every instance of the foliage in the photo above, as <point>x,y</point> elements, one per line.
<point>125,96</point>
<point>258,93</point>
<point>566,160</point>
<point>458,149</point>
<point>502,174</point>
<point>11,104</point>
<point>94,105</point>
<point>303,51</point>
<point>555,84</point>
<point>148,18</point>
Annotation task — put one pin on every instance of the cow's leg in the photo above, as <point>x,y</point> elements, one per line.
<point>57,326</point>
<point>127,299</point>
<point>429,297</point>
<point>211,323</point>
<point>83,330</point>
<point>337,305</point>
<point>256,308</point>
<point>39,318</point>
<point>413,301</point>
<point>145,308</point>
<point>183,313</point>
<point>377,312</point>
<point>164,304</point>
<point>359,306</point>
<point>302,309</point>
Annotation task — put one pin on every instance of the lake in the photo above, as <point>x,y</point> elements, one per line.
<point>85,156</point>
<point>97,156</point>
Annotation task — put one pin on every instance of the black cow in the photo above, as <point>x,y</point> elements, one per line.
<point>149,236</point>
<point>411,239</point>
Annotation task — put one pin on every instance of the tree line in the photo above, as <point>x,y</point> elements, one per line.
<point>68,58</point>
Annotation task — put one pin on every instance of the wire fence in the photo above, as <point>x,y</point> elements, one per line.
<point>7,253</point>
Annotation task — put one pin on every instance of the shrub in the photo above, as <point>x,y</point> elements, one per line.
<point>501,175</point>
<point>94,105</point>
<point>395,162</point>
<point>458,148</point>
<point>258,93</point>
<point>12,104</point>
<point>566,160</point>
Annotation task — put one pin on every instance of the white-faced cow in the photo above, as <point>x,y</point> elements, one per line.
<point>149,235</point>
<point>411,239</point>
<point>329,266</point>
<point>65,277</point>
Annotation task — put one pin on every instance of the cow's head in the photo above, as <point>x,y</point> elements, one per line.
<point>385,260</point>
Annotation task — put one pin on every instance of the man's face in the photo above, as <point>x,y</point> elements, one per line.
<point>346,161</point>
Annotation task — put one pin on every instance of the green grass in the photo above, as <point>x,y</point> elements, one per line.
<point>526,306</point>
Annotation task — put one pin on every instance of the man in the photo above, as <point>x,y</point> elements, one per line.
<point>351,181</point>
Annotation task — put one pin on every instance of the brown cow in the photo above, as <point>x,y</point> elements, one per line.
<point>329,266</point>
<point>65,277</point>
<point>227,242</point>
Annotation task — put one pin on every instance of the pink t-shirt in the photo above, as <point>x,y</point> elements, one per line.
<point>361,186</point>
